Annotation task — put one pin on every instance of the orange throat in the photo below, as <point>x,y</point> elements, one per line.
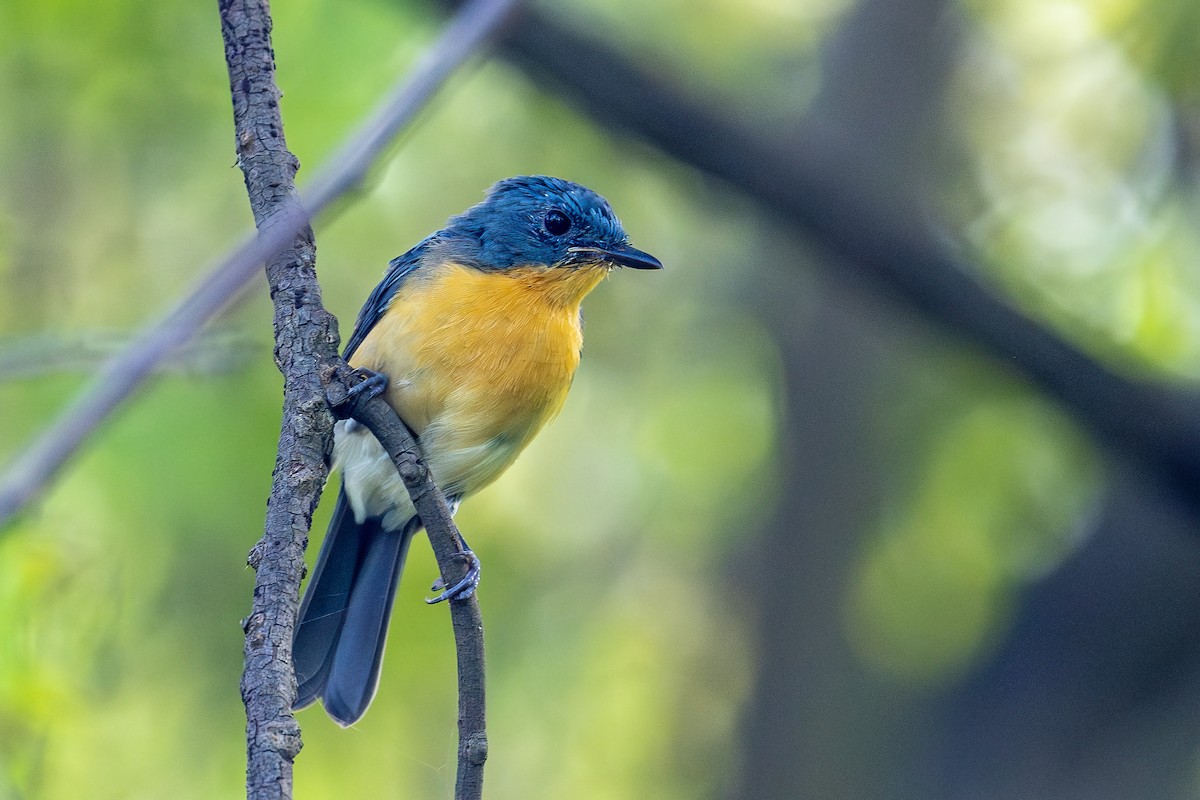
<point>564,287</point>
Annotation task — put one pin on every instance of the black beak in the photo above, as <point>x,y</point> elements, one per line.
<point>627,256</point>
<point>633,258</point>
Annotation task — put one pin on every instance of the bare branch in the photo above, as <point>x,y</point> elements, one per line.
<point>306,352</point>
<point>29,473</point>
<point>448,548</point>
<point>306,339</point>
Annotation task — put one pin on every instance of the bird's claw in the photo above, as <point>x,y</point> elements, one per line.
<point>370,384</point>
<point>373,383</point>
<point>464,588</point>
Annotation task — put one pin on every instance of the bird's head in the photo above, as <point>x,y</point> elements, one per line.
<point>542,221</point>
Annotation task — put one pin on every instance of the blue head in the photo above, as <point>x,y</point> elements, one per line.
<point>542,221</point>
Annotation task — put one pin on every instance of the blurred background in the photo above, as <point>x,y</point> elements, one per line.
<point>885,488</point>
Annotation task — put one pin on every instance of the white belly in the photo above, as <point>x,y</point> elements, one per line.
<point>372,483</point>
<point>369,478</point>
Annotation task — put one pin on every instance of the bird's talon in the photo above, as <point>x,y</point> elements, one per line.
<point>464,588</point>
<point>373,383</point>
<point>370,384</point>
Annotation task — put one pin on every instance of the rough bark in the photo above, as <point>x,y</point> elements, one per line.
<point>306,338</point>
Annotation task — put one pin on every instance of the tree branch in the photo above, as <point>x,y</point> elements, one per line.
<point>448,548</point>
<point>306,338</point>
<point>306,352</point>
<point>29,473</point>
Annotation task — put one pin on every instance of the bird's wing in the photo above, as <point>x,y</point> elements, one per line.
<point>399,268</point>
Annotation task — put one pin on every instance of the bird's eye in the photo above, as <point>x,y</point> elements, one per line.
<point>557,223</point>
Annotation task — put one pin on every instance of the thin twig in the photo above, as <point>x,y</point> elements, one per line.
<point>26,477</point>
<point>448,548</point>
<point>306,352</point>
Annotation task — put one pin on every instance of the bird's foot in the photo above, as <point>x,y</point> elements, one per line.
<point>464,588</point>
<point>370,384</point>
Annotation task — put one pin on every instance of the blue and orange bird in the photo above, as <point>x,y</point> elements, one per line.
<point>477,333</point>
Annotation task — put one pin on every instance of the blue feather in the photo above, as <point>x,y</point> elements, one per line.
<point>399,268</point>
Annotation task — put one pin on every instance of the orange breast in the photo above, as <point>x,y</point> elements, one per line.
<point>478,361</point>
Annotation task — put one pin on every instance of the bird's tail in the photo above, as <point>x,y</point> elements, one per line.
<point>343,620</point>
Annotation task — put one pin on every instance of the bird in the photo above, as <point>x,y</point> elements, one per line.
<point>473,337</point>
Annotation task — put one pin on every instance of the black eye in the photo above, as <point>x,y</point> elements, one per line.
<point>557,223</point>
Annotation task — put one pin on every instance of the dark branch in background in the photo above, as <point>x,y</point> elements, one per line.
<point>28,475</point>
<point>306,352</point>
<point>829,190</point>
<point>884,73</point>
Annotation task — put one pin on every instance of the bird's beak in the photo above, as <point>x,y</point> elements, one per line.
<point>623,255</point>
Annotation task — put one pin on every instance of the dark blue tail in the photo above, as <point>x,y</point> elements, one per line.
<point>343,621</point>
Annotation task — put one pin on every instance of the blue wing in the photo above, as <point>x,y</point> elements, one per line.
<point>372,311</point>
